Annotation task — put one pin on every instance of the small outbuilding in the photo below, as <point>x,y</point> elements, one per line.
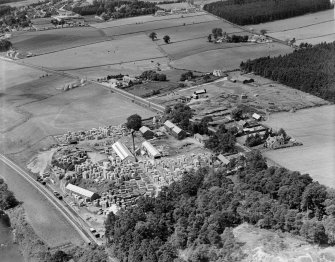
<point>146,132</point>
<point>256,116</point>
<point>225,161</point>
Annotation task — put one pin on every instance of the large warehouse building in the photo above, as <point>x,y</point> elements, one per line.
<point>122,151</point>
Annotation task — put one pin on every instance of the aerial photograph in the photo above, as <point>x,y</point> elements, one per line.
<point>167,131</point>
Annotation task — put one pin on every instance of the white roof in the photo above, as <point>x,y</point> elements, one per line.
<point>151,149</point>
<point>176,129</point>
<point>223,159</point>
<point>169,124</point>
<point>144,129</point>
<point>121,150</point>
<point>198,92</point>
<point>80,191</point>
<point>256,116</point>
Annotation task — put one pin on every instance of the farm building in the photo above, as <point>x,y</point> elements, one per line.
<point>219,72</point>
<point>223,159</point>
<point>199,93</point>
<point>146,132</point>
<point>201,138</point>
<point>122,151</point>
<point>242,123</point>
<point>274,141</point>
<point>245,80</point>
<point>174,130</point>
<point>76,190</point>
<point>151,150</point>
<point>256,116</point>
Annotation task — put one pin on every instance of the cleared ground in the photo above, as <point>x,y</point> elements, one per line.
<point>131,49</point>
<point>315,128</point>
<point>312,28</point>
<point>229,58</point>
<point>42,42</point>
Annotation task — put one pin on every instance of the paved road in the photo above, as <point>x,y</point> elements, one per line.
<point>44,217</point>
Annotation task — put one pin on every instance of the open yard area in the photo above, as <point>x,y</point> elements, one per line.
<point>229,58</point>
<point>312,28</point>
<point>49,41</point>
<point>105,53</point>
<point>315,128</point>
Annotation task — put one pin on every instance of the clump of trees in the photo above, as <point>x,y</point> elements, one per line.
<point>309,69</point>
<point>180,114</point>
<point>153,36</point>
<point>134,122</point>
<point>254,140</point>
<point>117,9</point>
<point>153,76</point>
<point>7,198</point>
<point>167,39</point>
<point>187,76</point>
<point>245,12</point>
<point>199,211</point>
<point>223,141</point>
<point>5,45</point>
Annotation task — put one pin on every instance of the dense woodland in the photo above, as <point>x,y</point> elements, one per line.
<point>198,213</point>
<point>245,12</point>
<point>310,69</point>
<point>117,9</point>
<point>5,45</point>
<point>7,198</point>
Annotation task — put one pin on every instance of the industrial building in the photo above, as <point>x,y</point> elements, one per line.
<point>86,194</point>
<point>151,150</point>
<point>122,151</point>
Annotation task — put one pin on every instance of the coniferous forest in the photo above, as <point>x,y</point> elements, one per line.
<point>246,12</point>
<point>197,214</point>
<point>310,69</point>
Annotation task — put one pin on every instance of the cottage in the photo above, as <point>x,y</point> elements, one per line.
<point>201,138</point>
<point>146,132</point>
<point>78,191</point>
<point>151,150</point>
<point>274,141</point>
<point>225,161</point>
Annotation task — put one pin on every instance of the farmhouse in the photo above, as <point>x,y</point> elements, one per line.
<point>151,150</point>
<point>86,194</point>
<point>146,132</point>
<point>122,151</point>
<point>201,138</point>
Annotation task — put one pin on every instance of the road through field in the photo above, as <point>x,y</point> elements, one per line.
<point>315,128</point>
<point>47,222</point>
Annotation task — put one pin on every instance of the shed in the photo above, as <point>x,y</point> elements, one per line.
<point>88,195</point>
<point>178,132</point>
<point>256,116</point>
<point>122,151</point>
<point>151,150</point>
<point>169,125</point>
<point>146,132</point>
<point>223,159</point>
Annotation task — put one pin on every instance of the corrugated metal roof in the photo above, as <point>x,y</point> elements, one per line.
<point>79,190</point>
<point>177,130</point>
<point>121,150</point>
<point>151,149</point>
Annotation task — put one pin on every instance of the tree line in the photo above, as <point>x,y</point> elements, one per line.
<point>245,12</point>
<point>117,9</point>
<point>199,211</point>
<point>309,69</point>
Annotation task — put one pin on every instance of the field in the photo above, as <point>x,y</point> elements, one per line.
<point>315,128</point>
<point>229,58</point>
<point>48,41</point>
<point>265,96</point>
<point>312,28</point>
<point>100,54</point>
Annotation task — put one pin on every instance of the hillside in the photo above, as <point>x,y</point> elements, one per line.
<point>246,12</point>
<point>310,69</point>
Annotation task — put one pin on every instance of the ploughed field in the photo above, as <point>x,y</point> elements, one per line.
<point>315,128</point>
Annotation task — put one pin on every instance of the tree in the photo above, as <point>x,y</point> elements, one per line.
<point>263,31</point>
<point>134,122</point>
<point>153,36</point>
<point>217,32</point>
<point>313,197</point>
<point>59,256</point>
<point>237,114</point>
<point>209,38</point>
<point>187,76</point>
<point>166,39</point>
<point>5,45</point>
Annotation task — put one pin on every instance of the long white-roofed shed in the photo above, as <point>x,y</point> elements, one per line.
<point>122,151</point>
<point>82,192</point>
<point>151,150</point>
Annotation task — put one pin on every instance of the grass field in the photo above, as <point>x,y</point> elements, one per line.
<point>315,128</point>
<point>105,53</point>
<point>229,58</point>
<point>41,42</point>
<point>313,28</point>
